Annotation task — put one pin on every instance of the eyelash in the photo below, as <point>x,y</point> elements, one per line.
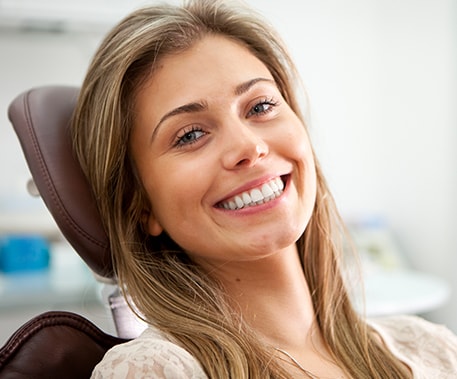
<point>270,102</point>
<point>185,133</point>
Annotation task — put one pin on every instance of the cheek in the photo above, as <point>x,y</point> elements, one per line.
<point>176,196</point>
<point>303,153</point>
<point>298,147</point>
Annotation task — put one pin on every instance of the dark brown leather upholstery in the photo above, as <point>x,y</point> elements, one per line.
<point>59,345</point>
<point>41,119</point>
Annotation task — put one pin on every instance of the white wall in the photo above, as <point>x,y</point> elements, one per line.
<point>381,77</point>
<point>28,59</point>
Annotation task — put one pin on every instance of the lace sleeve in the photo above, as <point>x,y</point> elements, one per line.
<point>430,350</point>
<point>148,358</point>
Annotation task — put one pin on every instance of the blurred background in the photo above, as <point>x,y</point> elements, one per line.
<point>381,77</point>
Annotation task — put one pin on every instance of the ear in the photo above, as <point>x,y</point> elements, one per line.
<point>151,224</point>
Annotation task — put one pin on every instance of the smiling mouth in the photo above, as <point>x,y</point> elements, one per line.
<point>256,196</point>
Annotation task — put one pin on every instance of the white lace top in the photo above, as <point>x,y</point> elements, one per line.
<point>429,350</point>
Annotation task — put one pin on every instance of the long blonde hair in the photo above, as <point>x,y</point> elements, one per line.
<point>170,291</point>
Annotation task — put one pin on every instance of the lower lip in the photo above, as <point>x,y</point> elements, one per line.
<point>260,207</point>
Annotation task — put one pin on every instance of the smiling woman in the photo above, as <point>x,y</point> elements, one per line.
<point>224,234</point>
<point>239,142</point>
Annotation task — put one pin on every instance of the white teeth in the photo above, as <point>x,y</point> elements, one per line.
<point>246,198</point>
<point>280,184</point>
<point>239,202</point>
<point>256,195</point>
<point>267,192</point>
<point>274,186</point>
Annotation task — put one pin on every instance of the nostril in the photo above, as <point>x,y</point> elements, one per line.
<point>243,162</point>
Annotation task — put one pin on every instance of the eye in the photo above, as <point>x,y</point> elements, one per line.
<point>189,136</point>
<point>263,107</point>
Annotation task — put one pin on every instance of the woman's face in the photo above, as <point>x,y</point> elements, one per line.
<point>226,163</point>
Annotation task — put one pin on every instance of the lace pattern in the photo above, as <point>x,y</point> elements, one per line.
<point>150,356</point>
<point>430,351</point>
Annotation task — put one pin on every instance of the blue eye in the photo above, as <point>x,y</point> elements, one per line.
<point>263,107</point>
<point>189,136</point>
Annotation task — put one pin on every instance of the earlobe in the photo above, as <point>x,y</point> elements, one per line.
<point>150,224</point>
<point>153,226</point>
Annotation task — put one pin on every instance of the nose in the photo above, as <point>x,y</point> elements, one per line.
<point>244,148</point>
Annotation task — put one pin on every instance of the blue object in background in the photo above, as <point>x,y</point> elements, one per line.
<point>23,253</point>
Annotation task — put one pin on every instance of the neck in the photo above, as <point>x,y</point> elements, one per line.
<point>273,297</point>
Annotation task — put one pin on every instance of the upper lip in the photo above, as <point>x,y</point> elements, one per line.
<point>249,186</point>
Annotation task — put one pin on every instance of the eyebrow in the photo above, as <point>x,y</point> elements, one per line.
<point>244,87</point>
<point>195,107</point>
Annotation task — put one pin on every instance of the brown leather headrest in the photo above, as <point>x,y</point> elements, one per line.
<point>54,345</point>
<point>41,119</point>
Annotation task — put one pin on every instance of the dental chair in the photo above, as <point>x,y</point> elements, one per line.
<point>62,344</point>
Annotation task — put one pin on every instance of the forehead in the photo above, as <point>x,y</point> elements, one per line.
<point>208,54</point>
<point>209,67</point>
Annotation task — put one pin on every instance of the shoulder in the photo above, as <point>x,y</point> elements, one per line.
<point>424,346</point>
<point>413,328</point>
<point>149,355</point>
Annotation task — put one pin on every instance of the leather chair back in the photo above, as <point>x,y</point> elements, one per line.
<point>54,345</point>
<point>41,119</point>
